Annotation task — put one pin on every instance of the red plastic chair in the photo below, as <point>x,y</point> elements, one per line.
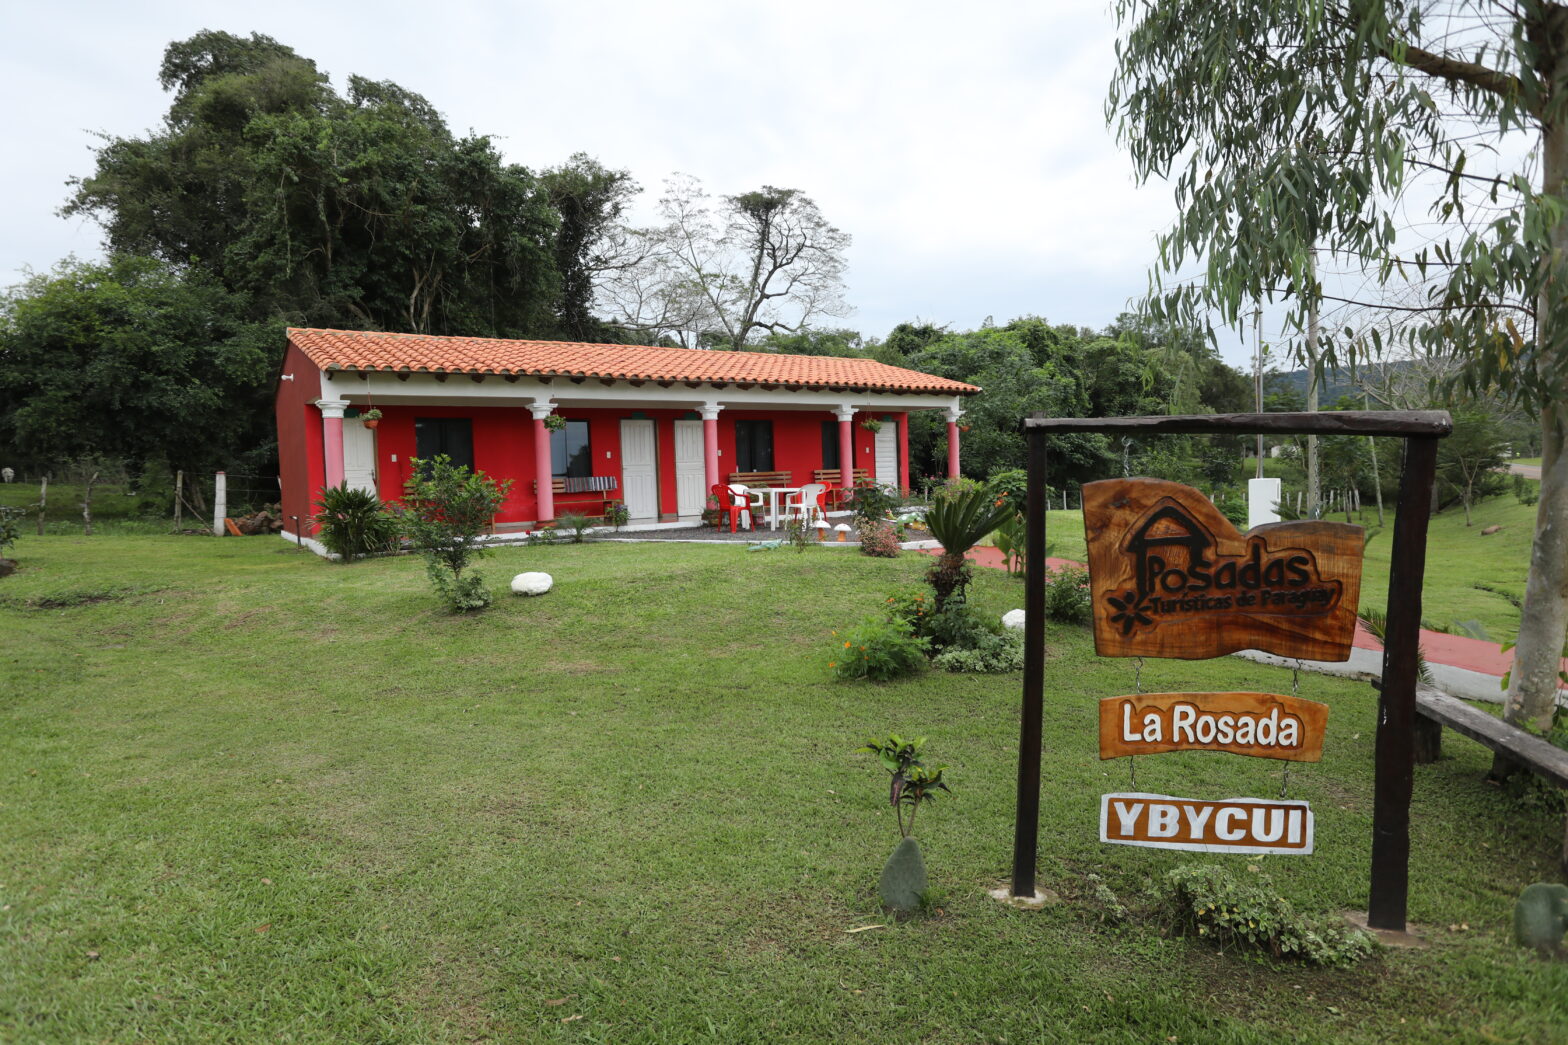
<point>734,504</point>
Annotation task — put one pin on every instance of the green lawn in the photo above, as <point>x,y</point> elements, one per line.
<point>1525,460</point>
<point>246,794</point>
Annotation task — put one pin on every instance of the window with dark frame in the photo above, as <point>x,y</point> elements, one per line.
<point>452,436</point>
<point>754,446</point>
<point>571,453</point>
<point>830,458</point>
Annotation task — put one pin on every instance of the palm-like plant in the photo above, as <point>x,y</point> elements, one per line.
<point>960,521</point>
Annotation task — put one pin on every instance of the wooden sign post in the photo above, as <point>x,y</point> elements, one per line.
<point>1171,577</point>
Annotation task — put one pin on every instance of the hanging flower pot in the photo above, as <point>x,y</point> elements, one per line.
<point>554,422</point>
<point>370,418</point>
<point>871,424</point>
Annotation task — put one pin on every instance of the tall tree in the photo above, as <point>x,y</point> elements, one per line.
<point>131,359</point>
<point>1288,126</point>
<point>359,210</point>
<point>767,262</point>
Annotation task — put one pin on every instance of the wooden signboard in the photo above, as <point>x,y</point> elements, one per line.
<point>1235,825</point>
<point>1171,577</point>
<point>1263,725</point>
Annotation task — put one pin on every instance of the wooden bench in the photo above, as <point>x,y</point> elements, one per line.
<point>832,477</point>
<point>761,478</point>
<point>1434,710</point>
<point>586,498</point>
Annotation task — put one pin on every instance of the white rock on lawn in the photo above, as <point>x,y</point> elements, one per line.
<point>531,583</point>
<point>1013,619</point>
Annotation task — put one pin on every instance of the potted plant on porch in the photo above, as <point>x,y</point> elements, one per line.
<point>871,424</point>
<point>554,422</point>
<point>370,418</point>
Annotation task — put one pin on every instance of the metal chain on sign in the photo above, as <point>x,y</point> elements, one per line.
<point>1295,691</point>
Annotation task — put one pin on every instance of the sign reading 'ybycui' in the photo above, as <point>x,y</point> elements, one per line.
<point>1172,577</point>
<point>1233,825</point>
<point>1262,725</point>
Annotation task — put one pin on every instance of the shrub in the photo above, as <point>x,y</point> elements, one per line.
<point>911,606</point>
<point>799,533</point>
<point>573,526</point>
<point>1067,597</point>
<point>354,523</point>
<point>1012,484</point>
<point>446,511</point>
<point>913,782</point>
<point>878,539</point>
<point>1250,913</point>
<point>1234,508</point>
<point>1528,491</point>
<point>878,650</point>
<point>617,514</point>
<point>872,502</point>
<point>957,626</point>
<point>990,654</point>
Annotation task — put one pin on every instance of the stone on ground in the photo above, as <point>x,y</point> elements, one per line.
<point>1013,619</point>
<point>904,877</point>
<point>531,583</point>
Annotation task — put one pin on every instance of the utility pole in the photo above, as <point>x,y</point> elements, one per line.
<point>1257,375</point>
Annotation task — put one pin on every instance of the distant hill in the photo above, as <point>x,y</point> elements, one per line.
<point>1336,383</point>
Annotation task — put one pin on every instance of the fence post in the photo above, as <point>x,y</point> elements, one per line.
<point>179,492</point>
<point>43,502</point>
<point>220,502</point>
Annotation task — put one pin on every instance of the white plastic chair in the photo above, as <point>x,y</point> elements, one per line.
<point>805,503</point>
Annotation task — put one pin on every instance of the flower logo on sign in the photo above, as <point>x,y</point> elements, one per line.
<point>1129,611</point>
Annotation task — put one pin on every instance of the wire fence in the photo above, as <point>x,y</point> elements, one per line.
<point>108,499</point>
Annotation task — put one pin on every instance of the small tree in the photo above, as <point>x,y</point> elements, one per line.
<point>1468,459</point>
<point>960,521</point>
<point>446,510</point>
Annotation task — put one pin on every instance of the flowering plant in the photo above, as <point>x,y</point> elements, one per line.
<point>554,422</point>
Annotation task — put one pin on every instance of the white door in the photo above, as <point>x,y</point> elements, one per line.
<point>639,470</point>
<point>359,455</point>
<point>887,454</point>
<point>690,468</point>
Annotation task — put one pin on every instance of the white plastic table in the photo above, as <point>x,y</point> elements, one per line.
<point>773,501</point>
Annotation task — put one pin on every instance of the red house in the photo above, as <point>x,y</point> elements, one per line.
<point>653,427</point>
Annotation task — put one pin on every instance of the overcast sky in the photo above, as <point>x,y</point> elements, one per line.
<point>963,147</point>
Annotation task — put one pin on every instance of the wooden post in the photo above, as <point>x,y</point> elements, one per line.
<point>179,493</point>
<point>1396,711</point>
<point>43,501</point>
<point>1026,826</point>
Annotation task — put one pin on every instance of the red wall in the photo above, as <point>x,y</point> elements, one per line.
<point>302,465</point>
<point>503,446</point>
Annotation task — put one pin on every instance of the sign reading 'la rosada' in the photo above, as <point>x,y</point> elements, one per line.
<point>1171,577</point>
<point>1262,725</point>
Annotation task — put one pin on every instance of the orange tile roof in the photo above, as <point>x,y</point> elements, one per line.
<point>359,350</point>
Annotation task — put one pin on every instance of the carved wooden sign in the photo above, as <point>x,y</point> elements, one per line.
<point>1262,725</point>
<point>1171,577</point>
<point>1235,825</point>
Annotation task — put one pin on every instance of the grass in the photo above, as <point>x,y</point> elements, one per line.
<point>1525,460</point>
<point>247,794</point>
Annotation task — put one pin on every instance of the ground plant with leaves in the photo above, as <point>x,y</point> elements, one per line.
<point>447,509</point>
<point>877,650</point>
<point>912,782</point>
<point>354,523</point>
<point>1246,912</point>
